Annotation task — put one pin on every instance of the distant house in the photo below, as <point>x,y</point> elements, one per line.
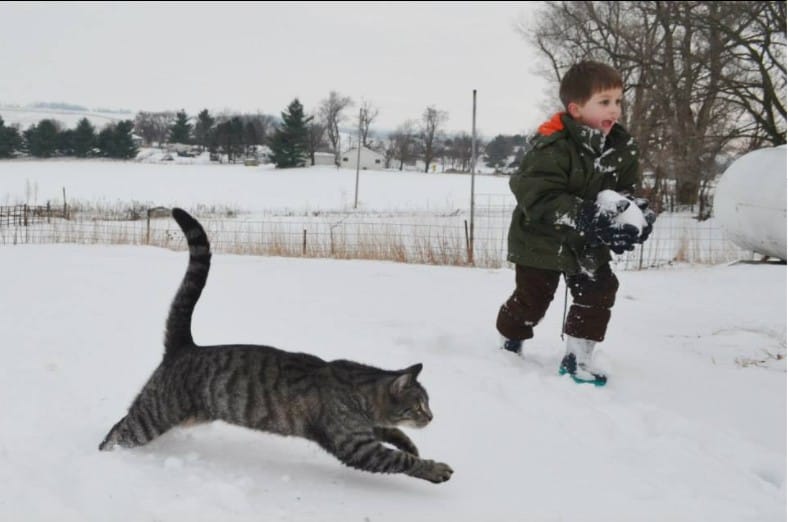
<point>321,158</point>
<point>370,160</point>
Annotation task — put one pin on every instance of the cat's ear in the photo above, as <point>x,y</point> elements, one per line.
<point>415,370</point>
<point>399,384</point>
<point>406,378</point>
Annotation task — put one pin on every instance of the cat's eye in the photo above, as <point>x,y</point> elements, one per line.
<point>413,412</point>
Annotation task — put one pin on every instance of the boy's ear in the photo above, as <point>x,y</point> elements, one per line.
<point>573,109</point>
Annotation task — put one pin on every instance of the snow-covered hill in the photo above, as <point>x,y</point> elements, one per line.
<point>24,117</point>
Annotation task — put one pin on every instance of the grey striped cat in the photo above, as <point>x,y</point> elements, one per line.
<point>348,408</point>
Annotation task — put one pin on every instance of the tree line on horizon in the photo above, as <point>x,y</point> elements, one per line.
<point>293,139</point>
<point>48,139</point>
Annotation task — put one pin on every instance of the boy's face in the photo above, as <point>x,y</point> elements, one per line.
<point>601,111</point>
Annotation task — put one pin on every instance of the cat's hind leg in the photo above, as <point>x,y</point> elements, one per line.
<point>140,426</point>
<point>128,433</point>
<point>113,437</point>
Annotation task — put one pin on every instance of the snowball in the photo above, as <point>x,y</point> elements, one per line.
<point>608,201</point>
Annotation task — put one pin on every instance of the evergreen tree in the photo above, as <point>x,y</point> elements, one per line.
<point>237,133</point>
<point>229,137</point>
<point>106,141</point>
<point>181,130</point>
<point>42,139</point>
<point>203,129</point>
<point>65,142</point>
<point>10,140</point>
<point>498,150</point>
<point>115,141</point>
<point>124,142</point>
<point>221,139</point>
<point>83,138</point>
<point>290,144</point>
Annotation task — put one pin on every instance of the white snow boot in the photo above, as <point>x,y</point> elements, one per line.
<point>577,362</point>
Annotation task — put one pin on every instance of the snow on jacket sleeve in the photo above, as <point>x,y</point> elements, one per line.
<point>541,186</point>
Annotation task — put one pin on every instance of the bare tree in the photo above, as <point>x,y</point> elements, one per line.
<point>368,115</point>
<point>331,116</point>
<point>461,151</point>
<point>390,149</point>
<point>153,126</point>
<point>264,126</point>
<point>250,139</point>
<point>754,32</point>
<point>230,137</point>
<point>682,63</point>
<point>316,132</point>
<point>431,121</point>
<point>402,143</point>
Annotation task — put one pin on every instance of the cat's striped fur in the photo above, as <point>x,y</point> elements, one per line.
<point>348,408</point>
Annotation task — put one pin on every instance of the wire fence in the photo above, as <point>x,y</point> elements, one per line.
<point>412,237</point>
<point>677,237</point>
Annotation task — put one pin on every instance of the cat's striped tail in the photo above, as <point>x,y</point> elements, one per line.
<point>179,323</point>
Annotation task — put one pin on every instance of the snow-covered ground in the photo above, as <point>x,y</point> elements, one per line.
<point>692,425</point>
<point>261,189</point>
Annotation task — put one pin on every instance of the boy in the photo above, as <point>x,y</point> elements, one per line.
<point>557,226</point>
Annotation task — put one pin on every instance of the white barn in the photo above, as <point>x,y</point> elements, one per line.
<point>370,160</point>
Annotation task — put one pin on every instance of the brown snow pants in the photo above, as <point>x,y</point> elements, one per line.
<point>592,299</point>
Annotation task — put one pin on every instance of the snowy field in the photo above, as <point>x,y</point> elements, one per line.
<point>423,215</point>
<point>691,427</point>
<point>255,190</point>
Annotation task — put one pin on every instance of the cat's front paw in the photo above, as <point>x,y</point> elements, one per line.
<point>435,472</point>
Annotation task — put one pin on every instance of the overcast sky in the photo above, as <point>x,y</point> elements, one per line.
<point>241,57</point>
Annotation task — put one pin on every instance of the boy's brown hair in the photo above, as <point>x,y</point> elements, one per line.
<point>586,78</point>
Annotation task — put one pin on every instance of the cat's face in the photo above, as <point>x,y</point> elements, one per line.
<point>409,404</point>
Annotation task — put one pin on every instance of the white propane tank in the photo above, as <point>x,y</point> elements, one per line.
<point>749,201</point>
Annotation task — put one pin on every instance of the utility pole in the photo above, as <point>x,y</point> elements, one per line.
<point>473,177</point>
<point>358,156</point>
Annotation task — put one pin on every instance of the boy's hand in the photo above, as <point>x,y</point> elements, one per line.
<point>598,228</point>
<point>649,215</point>
<point>620,238</point>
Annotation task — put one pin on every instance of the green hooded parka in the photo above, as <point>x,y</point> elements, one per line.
<point>568,164</point>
